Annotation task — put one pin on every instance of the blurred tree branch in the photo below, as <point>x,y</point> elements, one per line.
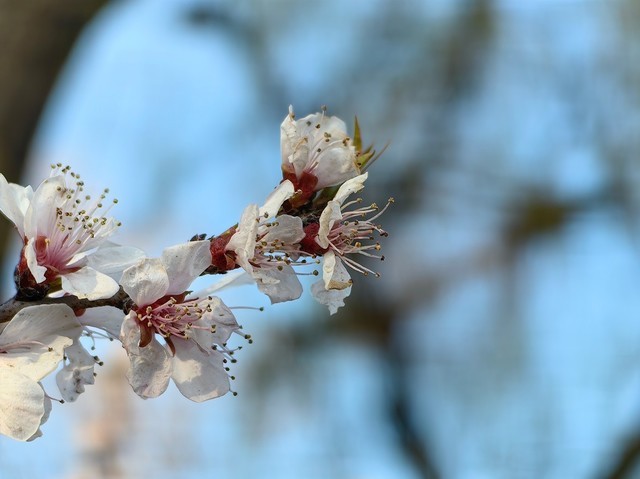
<point>36,38</point>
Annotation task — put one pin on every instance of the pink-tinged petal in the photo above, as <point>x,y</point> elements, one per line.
<point>21,405</point>
<point>87,283</point>
<point>243,242</point>
<point>350,187</point>
<point>280,285</point>
<point>37,271</point>
<point>14,201</point>
<point>184,263</point>
<point>332,298</point>
<point>274,201</point>
<point>334,274</point>
<point>328,217</point>
<point>199,374</point>
<point>149,367</point>
<point>71,379</point>
<point>146,281</point>
<point>112,259</point>
<point>287,229</point>
<point>40,217</point>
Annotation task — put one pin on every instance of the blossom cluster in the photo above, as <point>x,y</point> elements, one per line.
<point>73,282</point>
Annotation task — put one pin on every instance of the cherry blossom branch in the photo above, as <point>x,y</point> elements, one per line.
<point>68,265</point>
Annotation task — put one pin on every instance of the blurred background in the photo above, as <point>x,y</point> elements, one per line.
<point>503,339</point>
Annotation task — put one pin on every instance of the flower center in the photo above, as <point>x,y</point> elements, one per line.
<point>80,225</point>
<point>355,234</point>
<point>171,316</point>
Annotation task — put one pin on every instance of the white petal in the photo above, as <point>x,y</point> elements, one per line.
<point>336,165</point>
<point>333,298</point>
<point>45,417</point>
<point>294,149</point>
<point>106,318</point>
<point>243,242</point>
<point>79,260</point>
<point>14,201</point>
<point>149,367</point>
<point>287,229</point>
<point>72,378</point>
<point>330,214</point>
<point>334,274</point>
<point>224,321</point>
<point>274,201</point>
<point>36,337</point>
<point>146,281</point>
<point>90,284</point>
<point>349,187</point>
<point>280,285</point>
<point>199,375</point>
<point>184,263</point>
<point>40,323</point>
<point>112,259</point>
<point>40,217</point>
<point>21,405</point>
<point>32,261</point>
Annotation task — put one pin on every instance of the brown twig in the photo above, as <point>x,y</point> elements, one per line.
<point>12,306</point>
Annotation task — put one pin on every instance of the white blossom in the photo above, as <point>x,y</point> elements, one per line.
<point>343,233</point>
<point>195,330</point>
<point>61,227</point>
<point>317,146</point>
<point>266,247</point>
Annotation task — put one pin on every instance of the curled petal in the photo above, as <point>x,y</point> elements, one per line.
<point>243,242</point>
<point>37,271</point>
<point>334,274</point>
<point>274,201</point>
<point>350,187</point>
<point>328,217</point>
